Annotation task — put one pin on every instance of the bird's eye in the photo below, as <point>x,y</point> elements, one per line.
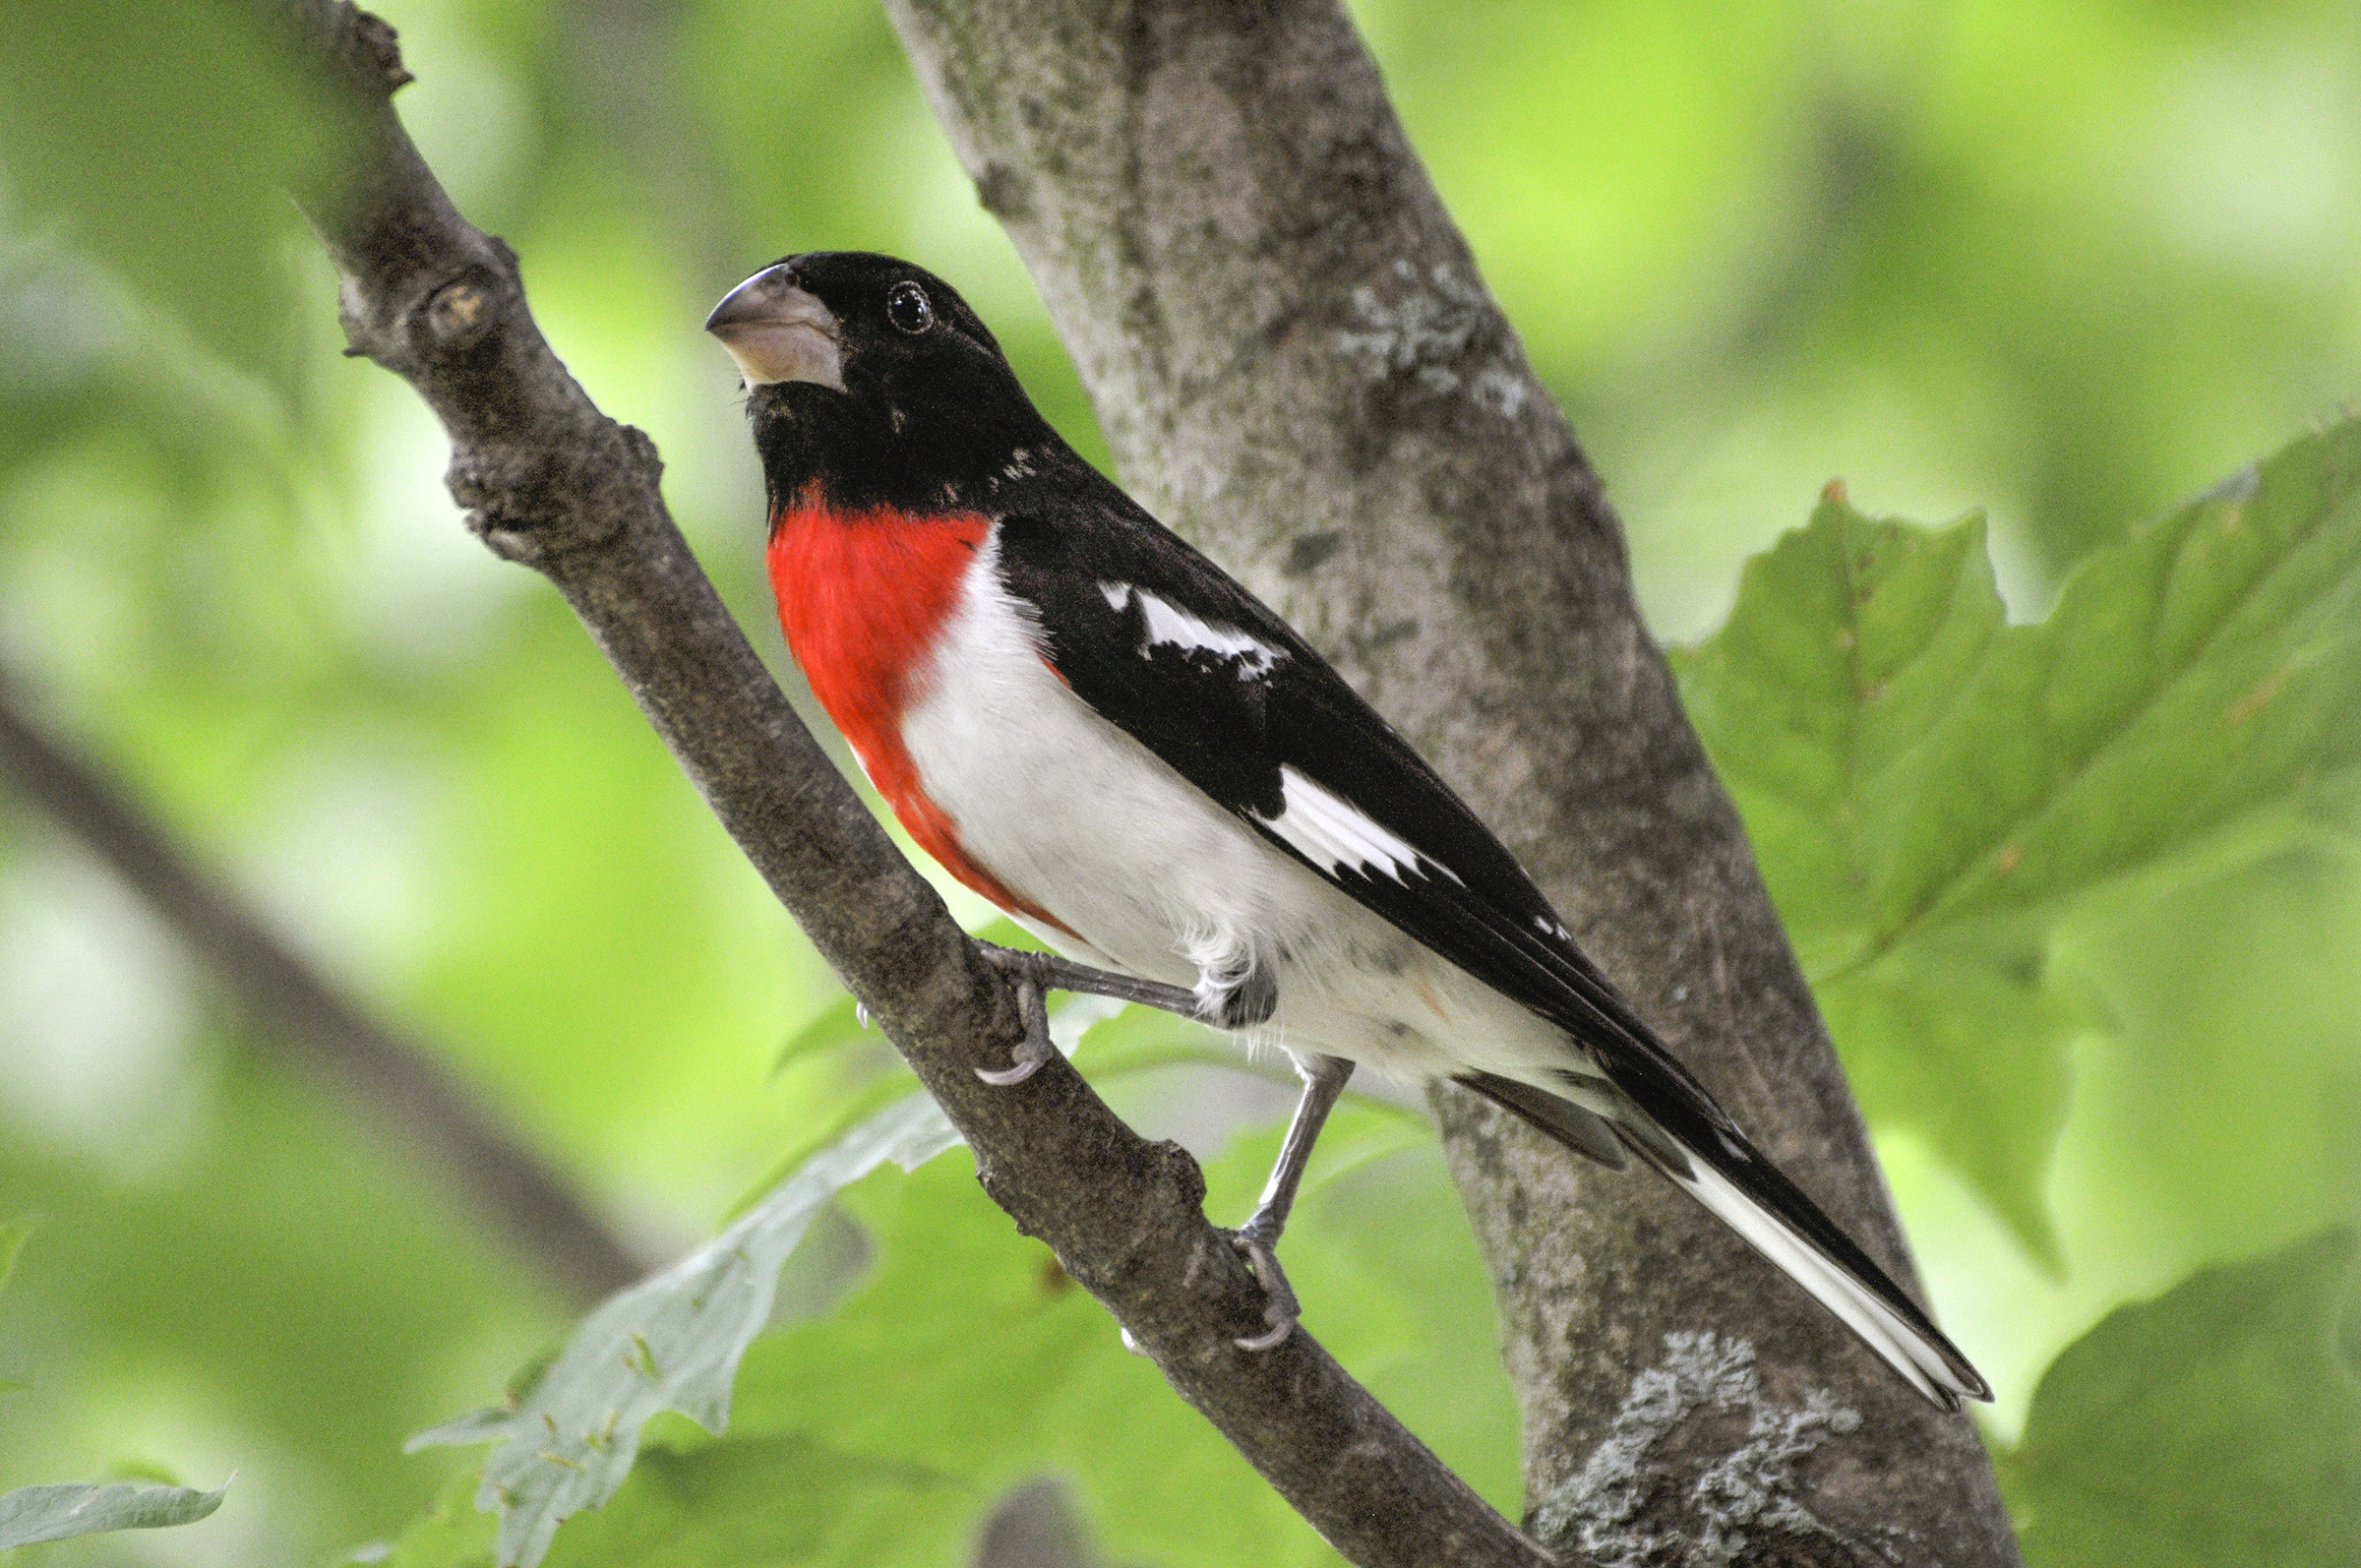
<point>908,308</point>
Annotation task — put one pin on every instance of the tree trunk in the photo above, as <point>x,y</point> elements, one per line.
<point>1297,366</point>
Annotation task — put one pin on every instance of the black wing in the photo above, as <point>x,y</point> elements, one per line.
<point>1163,645</point>
<point>1167,648</point>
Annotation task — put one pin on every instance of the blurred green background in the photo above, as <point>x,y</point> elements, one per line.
<point>2068,262</point>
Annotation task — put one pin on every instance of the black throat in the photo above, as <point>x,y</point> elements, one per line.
<point>933,451</point>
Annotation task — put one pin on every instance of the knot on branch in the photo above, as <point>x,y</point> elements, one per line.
<point>363,47</point>
<point>455,315</point>
<point>531,503</point>
<point>446,323</point>
<point>452,322</point>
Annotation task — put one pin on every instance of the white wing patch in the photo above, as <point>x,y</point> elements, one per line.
<point>1170,625</point>
<point>1336,835</point>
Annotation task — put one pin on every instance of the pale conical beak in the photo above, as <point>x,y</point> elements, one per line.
<point>776,331</point>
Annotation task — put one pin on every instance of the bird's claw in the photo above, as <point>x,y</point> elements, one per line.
<point>1280,1308</point>
<point>1035,1048</point>
<point>1026,1066</point>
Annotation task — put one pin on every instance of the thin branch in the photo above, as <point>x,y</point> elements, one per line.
<point>403,1086</point>
<point>552,482</point>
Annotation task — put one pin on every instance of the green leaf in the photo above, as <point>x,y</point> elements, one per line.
<point>842,1024</point>
<point>86,1508</point>
<point>912,1367</point>
<point>2217,1424</point>
<point>1965,1038</point>
<point>670,1342</point>
<point>789,1499</point>
<point>1930,789</point>
<point>12,1242</point>
<point>452,1534</point>
<point>868,1418</point>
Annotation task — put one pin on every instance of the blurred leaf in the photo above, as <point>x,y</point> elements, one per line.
<point>1929,789</point>
<point>851,1112</point>
<point>1964,1038</point>
<point>766,1501</point>
<point>86,1508</point>
<point>12,1243</point>
<point>840,1024</point>
<point>167,131</point>
<point>453,1534</point>
<point>671,1342</point>
<point>196,1318</point>
<point>2218,1424</point>
<point>789,1499</point>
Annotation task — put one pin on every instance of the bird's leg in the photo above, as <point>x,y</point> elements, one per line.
<point>1037,974</point>
<point>1324,1078</point>
<point>1052,973</point>
<point>1253,1000</point>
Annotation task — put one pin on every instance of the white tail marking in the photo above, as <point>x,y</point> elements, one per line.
<point>1880,1327</point>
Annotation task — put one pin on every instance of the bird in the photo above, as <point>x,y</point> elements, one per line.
<point>1088,722</point>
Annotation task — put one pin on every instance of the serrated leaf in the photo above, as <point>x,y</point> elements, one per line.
<point>670,1342</point>
<point>1930,789</point>
<point>32,1514</point>
<point>2217,1424</point>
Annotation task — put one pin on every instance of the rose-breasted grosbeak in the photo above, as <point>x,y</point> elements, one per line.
<point>1089,723</point>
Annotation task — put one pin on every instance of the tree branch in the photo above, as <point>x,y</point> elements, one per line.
<point>552,482</point>
<point>1295,362</point>
<point>402,1086</point>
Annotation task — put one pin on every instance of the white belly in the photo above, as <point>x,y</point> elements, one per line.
<point>1159,881</point>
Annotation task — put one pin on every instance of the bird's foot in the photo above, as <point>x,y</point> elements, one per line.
<point>1035,975</point>
<point>1035,1048</point>
<point>1049,972</point>
<point>1280,1309</point>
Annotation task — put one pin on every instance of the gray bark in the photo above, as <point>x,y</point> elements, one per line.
<point>1297,365</point>
<point>552,482</point>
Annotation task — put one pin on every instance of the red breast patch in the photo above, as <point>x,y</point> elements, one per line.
<point>863,598</point>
